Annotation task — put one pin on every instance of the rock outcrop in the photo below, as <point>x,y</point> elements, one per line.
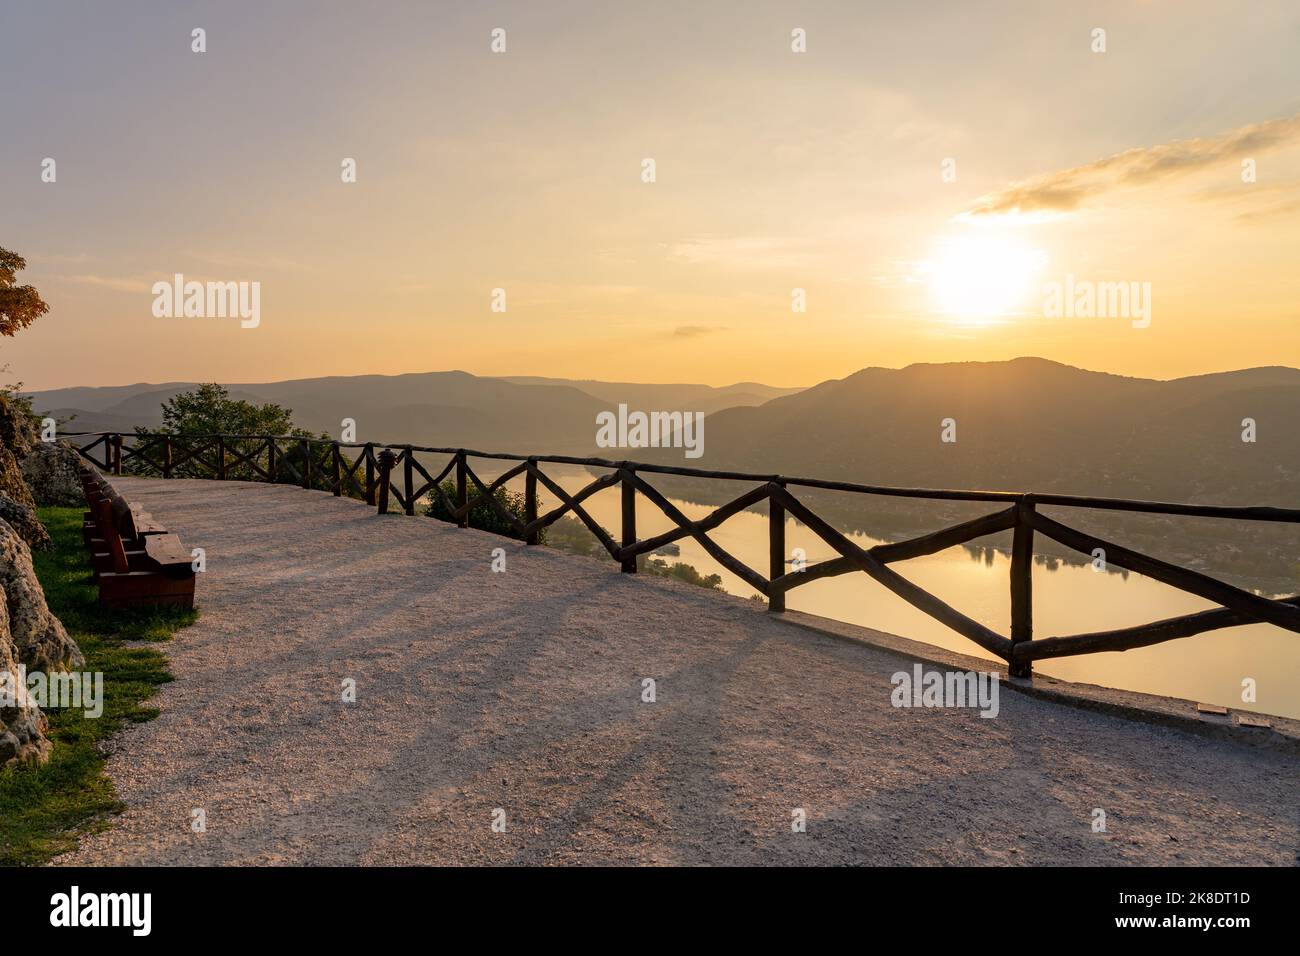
<point>50,470</point>
<point>17,436</point>
<point>23,520</point>
<point>37,636</point>
<point>32,638</point>
<point>22,725</point>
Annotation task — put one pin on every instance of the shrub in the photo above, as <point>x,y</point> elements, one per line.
<point>483,516</point>
<point>681,571</point>
<point>571,535</point>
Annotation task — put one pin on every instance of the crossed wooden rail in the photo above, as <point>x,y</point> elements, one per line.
<point>325,464</point>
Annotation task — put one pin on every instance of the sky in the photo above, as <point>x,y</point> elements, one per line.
<point>925,173</point>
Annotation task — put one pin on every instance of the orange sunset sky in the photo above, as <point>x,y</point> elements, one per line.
<point>775,170</point>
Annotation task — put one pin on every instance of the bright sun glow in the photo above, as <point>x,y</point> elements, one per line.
<point>981,278</point>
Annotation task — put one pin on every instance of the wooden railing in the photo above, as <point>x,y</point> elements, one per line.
<point>373,475</point>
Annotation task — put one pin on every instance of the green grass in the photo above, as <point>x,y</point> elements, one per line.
<point>44,809</point>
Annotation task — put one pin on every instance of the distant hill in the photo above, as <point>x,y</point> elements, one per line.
<point>100,398</point>
<point>430,408</point>
<point>1026,424</point>
<point>80,420</point>
<point>1033,425</point>
<point>678,397</point>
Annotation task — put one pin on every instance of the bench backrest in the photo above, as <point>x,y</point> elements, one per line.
<point>124,518</point>
<point>103,512</point>
<point>94,485</point>
<point>119,523</point>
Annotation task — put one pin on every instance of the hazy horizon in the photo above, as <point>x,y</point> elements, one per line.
<point>718,385</point>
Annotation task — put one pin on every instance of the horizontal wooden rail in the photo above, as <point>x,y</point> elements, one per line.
<point>1143,635</point>
<point>1246,513</point>
<point>379,473</point>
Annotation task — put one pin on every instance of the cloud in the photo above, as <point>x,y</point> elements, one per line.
<point>745,251</point>
<point>694,331</point>
<point>116,283</point>
<point>1259,203</point>
<point>260,262</point>
<point>1071,189</point>
<point>139,283</point>
<point>1282,210</point>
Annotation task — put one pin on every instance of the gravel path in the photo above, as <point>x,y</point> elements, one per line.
<point>522,691</point>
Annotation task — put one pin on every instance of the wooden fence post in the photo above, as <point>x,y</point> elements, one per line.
<point>386,462</point>
<point>167,457</point>
<point>408,478</point>
<point>221,457</point>
<point>1022,593</point>
<point>629,516</point>
<point>117,454</point>
<point>462,497</point>
<point>370,473</point>
<point>270,460</point>
<point>530,503</point>
<point>306,462</point>
<point>336,462</point>
<point>775,552</point>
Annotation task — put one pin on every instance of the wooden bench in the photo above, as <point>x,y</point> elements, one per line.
<point>133,557</point>
<point>132,523</point>
<point>136,530</point>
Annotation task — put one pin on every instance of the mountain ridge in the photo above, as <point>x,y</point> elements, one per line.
<point>1027,423</point>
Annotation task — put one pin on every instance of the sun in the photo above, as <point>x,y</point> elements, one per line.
<point>981,279</point>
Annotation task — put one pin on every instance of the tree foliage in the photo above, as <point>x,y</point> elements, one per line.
<point>208,411</point>
<point>483,516</point>
<point>20,305</point>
